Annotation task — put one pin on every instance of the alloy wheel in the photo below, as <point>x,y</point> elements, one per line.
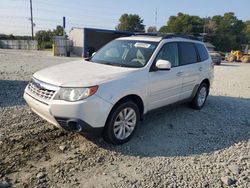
<point>125,123</point>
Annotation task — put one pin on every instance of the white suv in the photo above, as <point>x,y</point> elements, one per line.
<point>110,92</point>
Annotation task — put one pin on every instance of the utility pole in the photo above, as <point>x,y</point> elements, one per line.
<point>204,29</point>
<point>156,14</point>
<point>31,19</point>
<point>64,26</point>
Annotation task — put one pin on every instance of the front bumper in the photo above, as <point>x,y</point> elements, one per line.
<point>216,60</point>
<point>78,125</point>
<point>90,113</point>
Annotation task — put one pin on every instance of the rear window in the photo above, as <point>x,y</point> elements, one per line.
<point>187,53</point>
<point>202,51</point>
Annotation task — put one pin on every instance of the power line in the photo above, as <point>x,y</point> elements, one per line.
<point>67,6</point>
<point>73,22</point>
<point>150,21</point>
<point>21,27</point>
<point>79,15</point>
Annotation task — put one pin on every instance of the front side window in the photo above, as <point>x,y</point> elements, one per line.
<point>169,52</point>
<point>187,53</point>
<point>125,53</point>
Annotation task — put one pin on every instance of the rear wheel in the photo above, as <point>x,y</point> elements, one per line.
<point>200,98</point>
<point>231,58</point>
<point>122,123</point>
<point>245,59</point>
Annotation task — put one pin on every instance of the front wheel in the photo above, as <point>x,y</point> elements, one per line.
<point>122,123</point>
<point>200,98</point>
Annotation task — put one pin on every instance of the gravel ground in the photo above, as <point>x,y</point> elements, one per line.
<point>173,147</point>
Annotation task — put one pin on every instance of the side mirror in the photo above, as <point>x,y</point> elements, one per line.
<point>93,54</point>
<point>163,65</point>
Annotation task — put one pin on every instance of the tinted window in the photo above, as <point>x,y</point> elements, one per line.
<point>202,52</point>
<point>169,52</point>
<point>187,53</point>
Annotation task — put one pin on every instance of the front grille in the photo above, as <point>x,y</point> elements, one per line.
<point>36,88</point>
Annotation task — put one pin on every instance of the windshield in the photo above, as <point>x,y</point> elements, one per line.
<point>125,53</point>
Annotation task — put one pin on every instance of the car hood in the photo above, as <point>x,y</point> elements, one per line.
<point>81,74</point>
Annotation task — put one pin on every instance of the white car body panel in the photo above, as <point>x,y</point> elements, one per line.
<point>80,74</point>
<point>155,88</point>
<point>190,78</point>
<point>79,110</point>
<point>164,87</point>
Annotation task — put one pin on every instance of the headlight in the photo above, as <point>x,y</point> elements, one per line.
<point>75,94</point>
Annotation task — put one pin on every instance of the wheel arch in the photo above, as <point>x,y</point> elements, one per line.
<point>206,80</point>
<point>131,97</point>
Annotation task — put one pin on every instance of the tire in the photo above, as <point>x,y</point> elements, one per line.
<point>231,58</point>
<point>218,63</point>
<point>245,59</point>
<point>200,97</point>
<point>118,130</point>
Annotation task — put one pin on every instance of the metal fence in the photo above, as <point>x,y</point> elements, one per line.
<point>19,44</point>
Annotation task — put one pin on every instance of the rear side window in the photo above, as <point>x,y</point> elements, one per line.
<point>187,53</point>
<point>202,51</point>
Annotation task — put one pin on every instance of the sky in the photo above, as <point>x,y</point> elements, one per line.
<point>105,14</point>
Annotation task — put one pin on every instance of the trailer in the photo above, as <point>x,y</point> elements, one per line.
<point>86,41</point>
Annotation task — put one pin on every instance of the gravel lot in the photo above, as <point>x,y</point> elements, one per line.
<point>173,147</point>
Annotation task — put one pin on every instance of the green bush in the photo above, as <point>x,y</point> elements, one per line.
<point>45,45</point>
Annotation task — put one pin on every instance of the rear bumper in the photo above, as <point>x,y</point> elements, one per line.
<point>91,114</point>
<point>216,60</point>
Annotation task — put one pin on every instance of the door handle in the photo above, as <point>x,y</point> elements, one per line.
<point>179,73</point>
<point>200,69</point>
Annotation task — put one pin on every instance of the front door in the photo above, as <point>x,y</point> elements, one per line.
<point>165,86</point>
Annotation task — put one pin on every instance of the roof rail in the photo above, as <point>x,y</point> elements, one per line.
<point>168,35</point>
<point>156,34</point>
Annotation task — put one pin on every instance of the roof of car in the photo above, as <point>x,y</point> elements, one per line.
<point>158,38</point>
<point>142,38</point>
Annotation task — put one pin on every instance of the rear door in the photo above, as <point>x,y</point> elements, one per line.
<point>191,68</point>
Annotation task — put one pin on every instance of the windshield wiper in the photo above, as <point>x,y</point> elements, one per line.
<point>116,64</point>
<point>112,64</point>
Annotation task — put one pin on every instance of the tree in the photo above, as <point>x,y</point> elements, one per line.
<point>130,22</point>
<point>58,31</point>
<point>184,23</point>
<point>228,33</point>
<point>210,26</point>
<point>164,29</point>
<point>247,31</point>
<point>44,39</point>
<point>152,29</point>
